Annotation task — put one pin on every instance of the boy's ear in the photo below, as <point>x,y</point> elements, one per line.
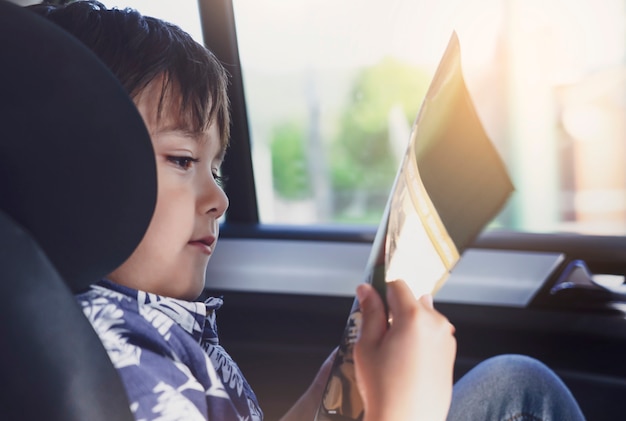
<point>76,162</point>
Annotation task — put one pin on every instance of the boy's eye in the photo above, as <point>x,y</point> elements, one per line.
<point>183,162</point>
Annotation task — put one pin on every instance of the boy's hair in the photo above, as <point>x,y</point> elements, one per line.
<point>138,49</point>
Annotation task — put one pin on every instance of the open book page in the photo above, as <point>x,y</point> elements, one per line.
<point>415,233</point>
<point>450,184</point>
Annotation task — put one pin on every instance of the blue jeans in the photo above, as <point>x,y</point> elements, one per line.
<point>512,388</point>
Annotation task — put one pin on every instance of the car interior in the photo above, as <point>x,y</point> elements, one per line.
<point>553,292</point>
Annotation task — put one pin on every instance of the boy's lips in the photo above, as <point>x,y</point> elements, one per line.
<point>205,244</point>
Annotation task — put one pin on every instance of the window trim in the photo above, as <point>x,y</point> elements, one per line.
<point>218,28</point>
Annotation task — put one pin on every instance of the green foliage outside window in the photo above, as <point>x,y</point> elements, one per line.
<point>362,162</point>
<point>289,165</point>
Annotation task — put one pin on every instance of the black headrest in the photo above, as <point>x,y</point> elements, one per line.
<point>77,167</point>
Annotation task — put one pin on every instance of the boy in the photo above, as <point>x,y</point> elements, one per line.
<point>164,344</point>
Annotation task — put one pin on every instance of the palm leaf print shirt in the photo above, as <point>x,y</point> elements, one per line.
<point>168,355</point>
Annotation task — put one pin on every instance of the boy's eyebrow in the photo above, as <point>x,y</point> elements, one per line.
<point>196,136</point>
<point>184,129</point>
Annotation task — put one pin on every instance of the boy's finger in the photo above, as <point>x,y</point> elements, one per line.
<point>373,316</point>
<point>399,297</point>
<point>427,300</point>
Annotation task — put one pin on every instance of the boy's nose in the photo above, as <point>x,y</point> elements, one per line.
<point>213,200</point>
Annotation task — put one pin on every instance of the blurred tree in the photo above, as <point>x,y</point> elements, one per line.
<point>289,165</point>
<point>362,162</point>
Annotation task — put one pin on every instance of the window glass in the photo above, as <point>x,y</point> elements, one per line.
<point>332,88</point>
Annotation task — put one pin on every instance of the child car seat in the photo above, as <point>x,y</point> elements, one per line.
<point>77,191</point>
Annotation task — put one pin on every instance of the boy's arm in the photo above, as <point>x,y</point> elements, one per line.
<point>306,407</point>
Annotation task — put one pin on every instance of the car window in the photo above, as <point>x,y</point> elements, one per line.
<point>332,89</point>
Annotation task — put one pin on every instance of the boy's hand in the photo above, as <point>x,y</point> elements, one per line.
<point>404,370</point>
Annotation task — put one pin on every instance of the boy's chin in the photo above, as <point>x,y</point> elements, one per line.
<point>193,291</point>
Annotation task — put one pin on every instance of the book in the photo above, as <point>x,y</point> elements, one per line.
<point>450,184</point>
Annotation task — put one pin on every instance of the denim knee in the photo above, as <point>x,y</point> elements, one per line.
<point>512,387</point>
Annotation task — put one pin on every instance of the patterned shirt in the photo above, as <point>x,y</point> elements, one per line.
<point>168,355</point>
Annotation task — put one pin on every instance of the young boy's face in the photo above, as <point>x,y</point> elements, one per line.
<point>172,257</point>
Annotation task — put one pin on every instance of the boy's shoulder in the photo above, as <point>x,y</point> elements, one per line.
<point>111,312</point>
<point>109,304</point>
